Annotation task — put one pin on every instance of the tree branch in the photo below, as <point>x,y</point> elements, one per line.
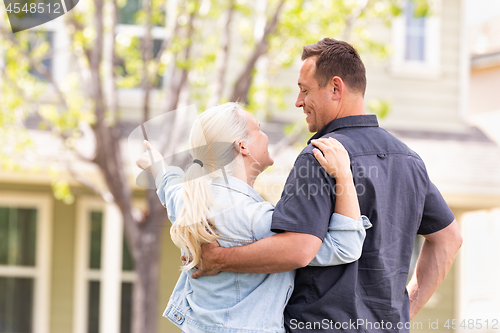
<point>114,94</point>
<point>174,96</point>
<point>242,86</point>
<point>222,58</point>
<point>167,42</point>
<point>40,68</point>
<point>104,194</point>
<point>286,141</point>
<point>351,19</point>
<point>147,56</point>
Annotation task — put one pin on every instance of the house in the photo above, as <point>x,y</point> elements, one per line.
<point>62,268</point>
<point>480,295</point>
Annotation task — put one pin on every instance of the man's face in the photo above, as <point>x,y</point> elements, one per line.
<point>317,102</point>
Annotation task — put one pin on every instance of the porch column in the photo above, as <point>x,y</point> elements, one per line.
<point>111,270</point>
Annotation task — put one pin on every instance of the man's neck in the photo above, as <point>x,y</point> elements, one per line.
<point>352,107</point>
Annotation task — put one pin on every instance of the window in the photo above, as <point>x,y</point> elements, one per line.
<point>89,315</point>
<point>24,263</point>
<point>415,34</point>
<point>39,46</point>
<point>416,43</point>
<point>126,70</point>
<point>128,44</point>
<point>95,251</point>
<point>17,249</point>
<point>129,9</point>
<point>127,13</point>
<point>39,40</point>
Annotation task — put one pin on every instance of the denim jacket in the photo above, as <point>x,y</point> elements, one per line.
<point>244,302</point>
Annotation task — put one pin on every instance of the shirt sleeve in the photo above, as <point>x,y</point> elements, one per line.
<point>343,242</point>
<point>306,203</point>
<point>168,188</point>
<point>437,214</point>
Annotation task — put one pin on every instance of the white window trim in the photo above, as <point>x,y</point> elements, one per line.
<point>83,274</point>
<point>41,273</point>
<point>132,97</point>
<point>60,52</point>
<point>430,68</point>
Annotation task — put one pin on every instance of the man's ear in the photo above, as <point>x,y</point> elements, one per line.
<point>337,87</point>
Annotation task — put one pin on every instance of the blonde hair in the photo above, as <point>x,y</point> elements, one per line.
<point>212,142</point>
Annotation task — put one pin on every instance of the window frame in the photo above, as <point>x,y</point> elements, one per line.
<point>60,56</point>
<point>131,97</point>
<point>41,272</point>
<point>430,68</point>
<point>83,274</point>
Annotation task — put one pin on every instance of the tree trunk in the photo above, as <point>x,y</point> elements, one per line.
<point>144,240</point>
<point>145,293</point>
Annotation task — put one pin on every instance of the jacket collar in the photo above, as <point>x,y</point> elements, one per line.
<point>237,185</point>
<point>365,120</point>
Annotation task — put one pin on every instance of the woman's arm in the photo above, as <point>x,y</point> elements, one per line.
<point>346,232</point>
<point>168,179</point>
<point>151,160</point>
<point>335,160</point>
<point>168,188</point>
<point>342,244</point>
<point>343,241</point>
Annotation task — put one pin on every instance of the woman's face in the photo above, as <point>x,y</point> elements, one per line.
<point>258,146</point>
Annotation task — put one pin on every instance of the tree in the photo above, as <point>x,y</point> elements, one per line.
<point>200,38</point>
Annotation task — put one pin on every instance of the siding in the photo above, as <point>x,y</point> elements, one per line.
<point>423,103</point>
<point>484,85</point>
<point>169,273</point>
<point>63,254</point>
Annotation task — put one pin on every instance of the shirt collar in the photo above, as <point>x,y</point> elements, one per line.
<point>238,185</point>
<point>365,120</point>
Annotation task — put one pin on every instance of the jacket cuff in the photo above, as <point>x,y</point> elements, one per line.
<point>341,222</point>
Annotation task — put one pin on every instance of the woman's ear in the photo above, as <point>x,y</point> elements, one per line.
<point>241,147</point>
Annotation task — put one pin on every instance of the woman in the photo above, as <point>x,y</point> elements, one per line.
<point>205,204</point>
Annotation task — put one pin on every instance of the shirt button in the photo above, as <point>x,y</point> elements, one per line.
<point>382,155</point>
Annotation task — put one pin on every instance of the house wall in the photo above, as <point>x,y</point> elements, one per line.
<point>484,85</point>
<point>63,254</point>
<point>169,273</point>
<point>425,99</point>
<point>422,102</point>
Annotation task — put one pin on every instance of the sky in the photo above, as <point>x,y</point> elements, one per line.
<point>478,11</point>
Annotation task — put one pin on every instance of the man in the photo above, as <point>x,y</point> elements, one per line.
<point>394,191</point>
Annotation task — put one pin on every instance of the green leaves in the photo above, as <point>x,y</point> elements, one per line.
<point>60,186</point>
<point>379,107</point>
<point>24,91</point>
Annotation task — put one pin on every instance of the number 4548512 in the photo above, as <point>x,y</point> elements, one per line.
<point>33,8</point>
<point>472,324</point>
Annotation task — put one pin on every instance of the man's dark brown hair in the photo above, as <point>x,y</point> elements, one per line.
<point>337,58</point>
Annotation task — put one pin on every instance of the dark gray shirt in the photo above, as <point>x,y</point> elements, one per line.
<point>395,192</point>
